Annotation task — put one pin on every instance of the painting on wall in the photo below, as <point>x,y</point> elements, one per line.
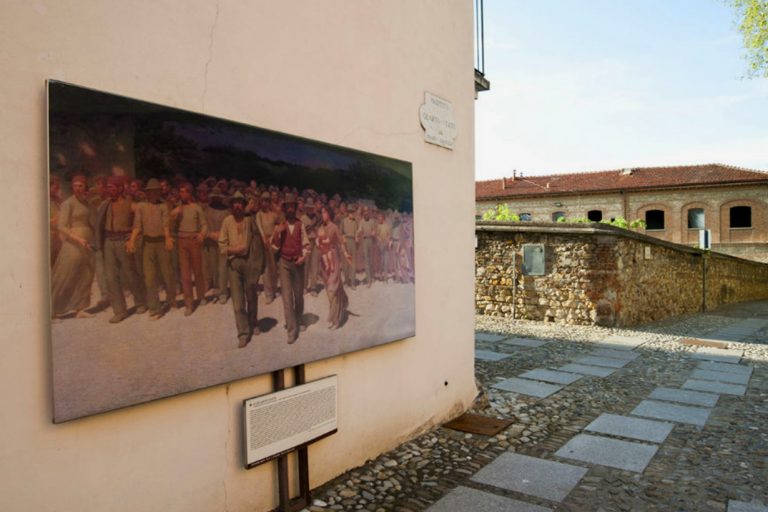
<point>188,251</point>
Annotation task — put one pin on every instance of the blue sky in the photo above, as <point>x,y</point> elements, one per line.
<point>580,85</point>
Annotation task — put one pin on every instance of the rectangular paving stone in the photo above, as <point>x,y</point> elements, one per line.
<point>731,378</point>
<point>672,412</point>
<point>633,428</point>
<point>685,396</point>
<point>488,355</point>
<point>524,342</point>
<point>594,371</point>
<point>528,475</point>
<point>490,337</point>
<point>715,387</point>
<point>602,361</point>
<point>722,355</point>
<point>622,341</point>
<point>726,367</point>
<point>616,354</point>
<point>743,506</point>
<point>609,452</point>
<point>550,376</point>
<point>528,387</point>
<point>463,498</point>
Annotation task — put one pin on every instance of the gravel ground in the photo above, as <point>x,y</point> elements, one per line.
<point>696,469</point>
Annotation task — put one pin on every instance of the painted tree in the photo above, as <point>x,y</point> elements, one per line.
<point>752,20</point>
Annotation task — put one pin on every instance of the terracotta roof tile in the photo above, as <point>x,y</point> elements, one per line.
<point>618,179</point>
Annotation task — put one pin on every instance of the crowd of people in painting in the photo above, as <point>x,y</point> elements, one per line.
<point>217,240</point>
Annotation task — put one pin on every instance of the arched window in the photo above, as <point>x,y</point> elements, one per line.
<point>595,215</point>
<point>696,218</point>
<point>654,220</point>
<point>557,216</point>
<point>526,217</point>
<point>741,217</point>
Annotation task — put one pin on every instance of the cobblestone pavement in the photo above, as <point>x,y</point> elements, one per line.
<point>720,466</point>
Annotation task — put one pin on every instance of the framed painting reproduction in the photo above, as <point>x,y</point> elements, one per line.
<point>188,251</point>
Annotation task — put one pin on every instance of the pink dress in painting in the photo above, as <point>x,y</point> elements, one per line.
<point>329,244</point>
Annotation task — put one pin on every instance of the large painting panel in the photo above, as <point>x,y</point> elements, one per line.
<point>189,251</point>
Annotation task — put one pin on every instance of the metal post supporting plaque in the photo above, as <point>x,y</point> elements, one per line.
<point>288,420</point>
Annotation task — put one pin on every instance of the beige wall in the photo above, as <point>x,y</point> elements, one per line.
<point>351,73</point>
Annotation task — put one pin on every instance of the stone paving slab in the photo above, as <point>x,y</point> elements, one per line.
<point>528,475</point>
<point>489,355</point>
<point>550,376</point>
<point>528,387</point>
<point>672,412</point>
<point>616,354</point>
<point>731,378</point>
<point>602,361</point>
<point>633,428</point>
<point>685,396</point>
<point>609,452</point>
<point>622,341</point>
<point>715,387</point>
<point>524,342</point>
<point>594,371</point>
<point>463,498</point>
<point>722,355</point>
<point>490,337</point>
<point>743,506</point>
<point>725,367</point>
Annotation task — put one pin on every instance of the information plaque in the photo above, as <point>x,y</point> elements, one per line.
<point>280,422</point>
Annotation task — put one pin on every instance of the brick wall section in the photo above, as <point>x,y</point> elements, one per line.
<point>715,201</point>
<point>597,274</point>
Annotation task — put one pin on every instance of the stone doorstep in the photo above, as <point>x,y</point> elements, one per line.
<point>528,387</point>
<point>583,369</point>
<point>633,428</point>
<point>715,387</point>
<point>685,396</point>
<point>463,499</point>
<point>553,376</point>
<point>546,479</point>
<point>725,367</point>
<point>672,412</point>
<point>613,453</point>
<point>730,378</point>
<point>602,361</point>
<point>488,355</point>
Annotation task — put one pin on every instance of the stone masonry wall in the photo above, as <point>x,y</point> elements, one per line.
<point>596,274</point>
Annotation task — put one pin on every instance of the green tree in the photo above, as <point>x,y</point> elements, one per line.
<point>752,20</point>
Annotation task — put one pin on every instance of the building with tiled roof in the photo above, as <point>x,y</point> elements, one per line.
<point>675,202</point>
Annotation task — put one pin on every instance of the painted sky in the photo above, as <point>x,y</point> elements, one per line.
<point>580,85</point>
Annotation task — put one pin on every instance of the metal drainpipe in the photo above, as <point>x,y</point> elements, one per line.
<point>514,283</point>
<point>703,282</point>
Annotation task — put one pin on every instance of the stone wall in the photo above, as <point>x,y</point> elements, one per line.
<point>598,274</point>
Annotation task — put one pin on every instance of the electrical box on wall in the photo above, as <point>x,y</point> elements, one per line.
<point>533,260</point>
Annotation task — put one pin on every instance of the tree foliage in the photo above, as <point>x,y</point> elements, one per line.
<point>752,20</point>
<point>501,214</point>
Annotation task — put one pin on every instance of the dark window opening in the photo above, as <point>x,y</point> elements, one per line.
<point>741,217</point>
<point>654,219</point>
<point>595,215</point>
<point>557,216</point>
<point>526,217</point>
<point>696,218</point>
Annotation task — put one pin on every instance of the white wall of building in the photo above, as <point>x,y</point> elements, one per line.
<point>351,73</point>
